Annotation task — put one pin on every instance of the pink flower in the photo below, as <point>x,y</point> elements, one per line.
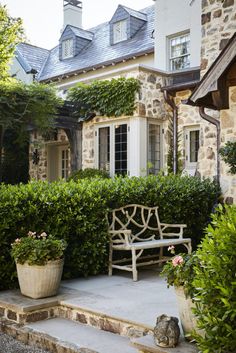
<point>177,260</point>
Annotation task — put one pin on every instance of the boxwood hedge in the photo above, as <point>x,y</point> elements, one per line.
<point>76,211</point>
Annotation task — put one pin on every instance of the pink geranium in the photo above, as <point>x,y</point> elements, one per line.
<point>177,260</point>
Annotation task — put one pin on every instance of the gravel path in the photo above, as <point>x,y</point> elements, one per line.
<point>10,345</point>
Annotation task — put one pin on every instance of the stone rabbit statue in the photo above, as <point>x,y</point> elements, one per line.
<point>166,331</point>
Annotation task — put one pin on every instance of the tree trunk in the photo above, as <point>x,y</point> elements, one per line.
<point>1,150</point>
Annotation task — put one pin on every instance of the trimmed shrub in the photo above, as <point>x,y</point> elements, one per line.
<point>215,284</point>
<point>88,173</point>
<point>77,212</point>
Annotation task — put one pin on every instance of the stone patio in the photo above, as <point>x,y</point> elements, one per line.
<point>110,309</point>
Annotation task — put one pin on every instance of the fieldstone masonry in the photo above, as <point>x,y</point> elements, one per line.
<point>218,26</point>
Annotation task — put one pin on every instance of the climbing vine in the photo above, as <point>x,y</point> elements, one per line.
<point>114,97</point>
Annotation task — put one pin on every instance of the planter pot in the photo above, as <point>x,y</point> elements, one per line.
<point>187,318</point>
<point>40,281</point>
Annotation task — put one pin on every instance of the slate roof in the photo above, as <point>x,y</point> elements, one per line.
<point>79,32</point>
<point>98,53</point>
<point>138,14</point>
<point>31,57</point>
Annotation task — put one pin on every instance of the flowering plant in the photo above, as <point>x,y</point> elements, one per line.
<point>37,249</point>
<point>180,270</point>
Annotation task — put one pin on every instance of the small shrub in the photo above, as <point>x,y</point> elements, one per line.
<point>88,173</point>
<point>38,249</point>
<point>215,283</point>
<point>228,154</point>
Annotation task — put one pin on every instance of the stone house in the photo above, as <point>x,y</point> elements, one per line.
<point>168,46</point>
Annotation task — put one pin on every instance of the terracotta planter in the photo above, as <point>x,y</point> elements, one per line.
<point>40,281</point>
<point>187,318</point>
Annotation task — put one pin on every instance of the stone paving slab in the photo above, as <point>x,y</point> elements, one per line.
<point>146,345</point>
<point>82,336</point>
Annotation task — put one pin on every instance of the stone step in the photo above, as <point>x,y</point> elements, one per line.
<point>146,345</point>
<point>84,338</point>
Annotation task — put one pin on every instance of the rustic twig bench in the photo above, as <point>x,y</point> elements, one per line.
<point>136,228</point>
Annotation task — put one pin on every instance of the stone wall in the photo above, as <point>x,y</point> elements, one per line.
<point>150,104</point>
<point>37,141</point>
<point>218,25</point>
<point>228,133</point>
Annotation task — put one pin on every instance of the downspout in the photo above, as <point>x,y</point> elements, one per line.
<point>215,122</point>
<point>174,108</point>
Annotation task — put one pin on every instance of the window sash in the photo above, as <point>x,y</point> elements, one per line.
<point>154,148</point>
<point>119,31</point>
<point>180,52</point>
<point>104,148</point>
<point>121,145</point>
<point>67,48</point>
<point>64,161</point>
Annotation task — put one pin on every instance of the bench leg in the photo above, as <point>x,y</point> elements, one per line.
<point>110,260</point>
<point>160,256</point>
<point>134,267</point>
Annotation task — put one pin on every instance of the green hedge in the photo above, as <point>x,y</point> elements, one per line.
<point>77,212</point>
<point>215,284</point>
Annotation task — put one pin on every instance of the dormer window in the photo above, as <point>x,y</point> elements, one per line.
<point>119,31</point>
<point>67,49</point>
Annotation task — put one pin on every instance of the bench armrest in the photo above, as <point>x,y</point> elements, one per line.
<point>165,226</point>
<point>120,236</point>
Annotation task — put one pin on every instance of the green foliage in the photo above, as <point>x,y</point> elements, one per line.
<point>88,173</point>
<point>228,154</point>
<point>77,212</point>
<point>109,98</point>
<point>38,249</point>
<point>215,284</point>
<point>179,271</point>
<point>22,104</point>
<point>11,33</point>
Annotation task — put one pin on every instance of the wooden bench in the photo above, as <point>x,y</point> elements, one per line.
<point>136,228</point>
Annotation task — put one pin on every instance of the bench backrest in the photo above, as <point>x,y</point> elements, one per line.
<point>143,221</point>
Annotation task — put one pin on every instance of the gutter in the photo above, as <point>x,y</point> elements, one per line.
<point>215,122</point>
<point>174,108</point>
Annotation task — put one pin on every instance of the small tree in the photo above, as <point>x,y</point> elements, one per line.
<point>11,33</point>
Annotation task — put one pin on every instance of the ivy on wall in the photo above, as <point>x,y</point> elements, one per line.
<point>113,97</point>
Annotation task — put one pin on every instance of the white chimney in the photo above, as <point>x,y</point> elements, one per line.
<point>72,13</point>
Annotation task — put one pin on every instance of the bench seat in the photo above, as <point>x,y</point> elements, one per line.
<point>137,228</point>
<point>152,244</point>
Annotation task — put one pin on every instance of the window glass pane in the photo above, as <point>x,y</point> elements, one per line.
<point>104,148</point>
<point>121,149</point>
<point>194,145</point>
<point>119,31</point>
<point>180,52</point>
<point>67,48</point>
<point>65,163</point>
<point>154,147</point>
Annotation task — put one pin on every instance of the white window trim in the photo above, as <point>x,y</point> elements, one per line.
<point>153,122</point>
<point>187,130</point>
<point>69,53</point>
<point>112,144</point>
<point>123,28</point>
<point>60,149</point>
<point>169,39</point>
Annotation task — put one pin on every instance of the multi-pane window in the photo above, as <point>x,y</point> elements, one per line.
<point>112,148</point>
<point>154,148</point>
<point>180,52</point>
<point>193,145</point>
<point>64,161</point>
<point>119,31</point>
<point>121,149</point>
<point>67,48</point>
<point>104,148</point>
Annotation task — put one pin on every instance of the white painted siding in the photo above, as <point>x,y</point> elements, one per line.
<point>173,18</point>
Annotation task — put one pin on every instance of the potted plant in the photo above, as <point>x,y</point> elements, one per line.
<point>179,272</point>
<point>39,262</point>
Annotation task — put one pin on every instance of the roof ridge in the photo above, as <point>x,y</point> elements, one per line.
<point>35,46</point>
